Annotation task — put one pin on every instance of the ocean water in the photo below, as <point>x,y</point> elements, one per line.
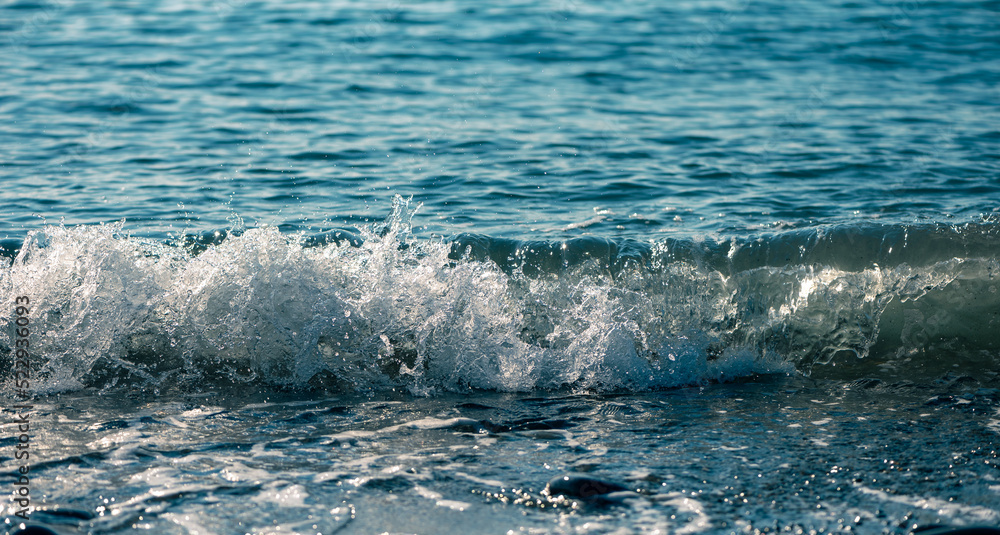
<point>499,267</point>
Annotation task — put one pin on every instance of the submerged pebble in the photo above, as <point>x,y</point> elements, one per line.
<point>582,486</point>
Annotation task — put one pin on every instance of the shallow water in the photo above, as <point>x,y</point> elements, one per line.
<point>768,455</point>
<point>302,267</point>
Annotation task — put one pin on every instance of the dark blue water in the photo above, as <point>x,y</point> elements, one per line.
<point>391,267</point>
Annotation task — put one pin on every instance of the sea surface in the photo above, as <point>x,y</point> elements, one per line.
<point>302,267</point>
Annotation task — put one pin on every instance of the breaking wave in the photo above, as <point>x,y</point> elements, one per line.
<point>376,308</point>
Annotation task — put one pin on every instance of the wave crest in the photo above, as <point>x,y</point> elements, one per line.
<point>378,308</point>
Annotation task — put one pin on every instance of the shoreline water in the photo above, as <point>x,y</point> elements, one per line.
<point>763,455</point>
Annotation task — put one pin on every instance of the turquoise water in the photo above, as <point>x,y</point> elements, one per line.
<point>307,267</point>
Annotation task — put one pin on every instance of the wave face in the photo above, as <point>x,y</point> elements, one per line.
<point>378,308</point>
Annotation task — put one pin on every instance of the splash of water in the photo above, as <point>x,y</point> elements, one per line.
<point>382,309</point>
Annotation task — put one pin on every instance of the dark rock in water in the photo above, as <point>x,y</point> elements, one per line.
<point>581,486</point>
<point>940,400</point>
<point>614,498</point>
<point>35,530</point>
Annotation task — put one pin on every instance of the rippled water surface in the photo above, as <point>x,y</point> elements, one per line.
<point>340,267</point>
<point>636,119</point>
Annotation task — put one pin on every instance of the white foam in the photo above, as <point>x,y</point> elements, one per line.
<point>395,312</point>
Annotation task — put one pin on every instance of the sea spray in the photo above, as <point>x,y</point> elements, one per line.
<point>383,308</point>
